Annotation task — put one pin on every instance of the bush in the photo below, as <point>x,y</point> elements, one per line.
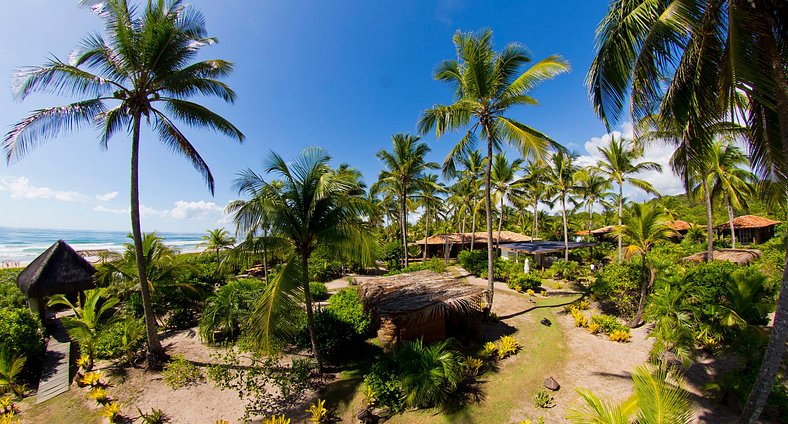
<point>474,261</point>
<point>318,290</point>
<point>227,310</point>
<point>524,282</point>
<point>392,254</point>
<point>706,286</point>
<point>568,270</point>
<point>120,338</point>
<point>620,336</point>
<point>608,324</point>
<point>347,307</point>
<point>383,382</point>
<point>341,325</point>
<point>21,333</point>
<point>618,288</point>
<point>10,295</point>
<point>179,372</point>
<point>324,270</point>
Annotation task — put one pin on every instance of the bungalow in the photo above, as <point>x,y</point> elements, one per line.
<point>749,229</point>
<point>448,245</point>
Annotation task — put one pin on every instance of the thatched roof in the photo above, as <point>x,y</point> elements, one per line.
<point>545,246</point>
<point>679,225</point>
<point>598,232</point>
<point>477,237</point>
<point>748,221</point>
<point>59,270</point>
<point>738,256</point>
<point>418,296</point>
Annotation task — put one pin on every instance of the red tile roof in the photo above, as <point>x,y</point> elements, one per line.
<point>478,237</point>
<point>749,221</point>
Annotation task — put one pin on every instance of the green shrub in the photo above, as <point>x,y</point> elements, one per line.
<point>10,295</point>
<point>474,261</point>
<point>392,254</point>
<point>541,398</point>
<point>347,307</point>
<point>120,338</point>
<point>706,287</point>
<point>524,282</point>
<point>179,372</point>
<point>608,324</point>
<point>21,332</point>
<point>383,382</point>
<point>568,270</point>
<point>227,310</point>
<point>617,288</point>
<point>324,270</point>
<point>318,290</point>
<point>343,324</point>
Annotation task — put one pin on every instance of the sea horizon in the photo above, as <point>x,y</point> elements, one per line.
<point>20,245</point>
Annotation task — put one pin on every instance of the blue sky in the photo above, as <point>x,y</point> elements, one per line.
<point>344,75</point>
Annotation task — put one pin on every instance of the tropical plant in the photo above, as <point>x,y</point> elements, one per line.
<point>561,176</point>
<point>505,184</point>
<point>731,182</point>
<point>11,366</point>
<point>472,165</point>
<point>92,379</point>
<point>217,240</point>
<point>99,394</point>
<point>21,332</point>
<point>143,67</point>
<point>316,206</point>
<point>534,186</point>
<point>180,372</point>
<point>592,188</point>
<point>507,346</point>
<point>429,190</point>
<point>112,410</point>
<point>428,373</point>
<point>274,419</point>
<point>88,320</point>
<point>542,399</point>
<point>318,411</point>
<point>405,165</point>
<point>486,85</point>
<point>229,308</point>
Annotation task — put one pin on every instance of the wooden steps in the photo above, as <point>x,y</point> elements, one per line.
<point>55,378</point>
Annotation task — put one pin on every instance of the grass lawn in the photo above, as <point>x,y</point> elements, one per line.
<point>506,392</point>
<point>69,407</point>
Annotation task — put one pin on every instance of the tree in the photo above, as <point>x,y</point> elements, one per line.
<point>217,240</point>
<point>619,165</point>
<point>699,58</point>
<point>472,168</point>
<point>504,184</point>
<point>314,207</point>
<point>405,164</point>
<point>429,190</point>
<point>140,72</point>
<point>486,85</point>
<point>645,225</point>
<point>87,322</point>
<point>534,185</point>
<point>592,189</point>
<point>731,181</point>
<point>561,176</point>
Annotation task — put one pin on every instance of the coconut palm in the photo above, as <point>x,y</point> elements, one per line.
<point>534,186</point>
<point>561,177</point>
<point>505,184</point>
<point>487,84</point>
<point>217,240</point>
<point>592,188</point>
<point>429,373</point>
<point>315,207</point>
<point>143,71</point>
<point>731,181</point>
<point>429,190</point>
<point>88,319</point>
<point>644,226</point>
<point>619,164</point>
<point>405,164</point>
<point>472,165</point>
<point>698,58</point>
<point>229,308</point>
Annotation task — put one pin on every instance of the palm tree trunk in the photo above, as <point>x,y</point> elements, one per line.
<point>709,222</point>
<point>265,258</point>
<point>155,354</point>
<point>730,217</point>
<point>776,347</point>
<point>620,219</point>
<point>473,223</point>
<point>500,226</point>
<point>488,207</point>
<point>426,230</point>
<point>566,230</point>
<point>535,231</point>
<point>404,219</point>
<point>644,286</point>
<point>310,317</point>
<point>590,221</point>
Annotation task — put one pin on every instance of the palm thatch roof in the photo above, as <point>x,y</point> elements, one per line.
<point>419,296</point>
<point>477,237</point>
<point>598,232</point>
<point>737,256</point>
<point>59,270</point>
<point>748,221</point>
<point>679,225</point>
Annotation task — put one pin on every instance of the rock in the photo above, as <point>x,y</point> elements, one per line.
<point>546,322</point>
<point>551,384</point>
<point>366,416</point>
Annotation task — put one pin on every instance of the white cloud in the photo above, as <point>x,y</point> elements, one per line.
<point>107,196</point>
<point>666,182</point>
<point>104,209</point>
<point>20,188</point>
<point>183,210</point>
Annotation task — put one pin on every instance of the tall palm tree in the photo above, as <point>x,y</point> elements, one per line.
<point>315,207</point>
<point>561,176</point>
<point>216,240</point>
<point>619,164</point>
<point>732,182</point>
<point>405,164</point>
<point>645,225</point>
<point>592,188</point>
<point>429,191</point>
<point>472,165</point>
<point>486,85</point>
<point>505,184</point>
<point>88,320</point>
<point>697,58</point>
<point>142,71</point>
<point>534,185</point>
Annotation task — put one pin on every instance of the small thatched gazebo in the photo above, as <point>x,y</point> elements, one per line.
<point>59,270</point>
<point>423,304</point>
<point>737,256</point>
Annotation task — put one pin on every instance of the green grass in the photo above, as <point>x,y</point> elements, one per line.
<point>69,407</point>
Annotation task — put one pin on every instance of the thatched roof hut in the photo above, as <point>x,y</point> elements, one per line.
<point>737,256</point>
<point>423,304</point>
<point>59,270</point>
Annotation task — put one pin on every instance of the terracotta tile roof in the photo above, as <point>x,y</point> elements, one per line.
<point>749,221</point>
<point>478,237</point>
<point>679,225</point>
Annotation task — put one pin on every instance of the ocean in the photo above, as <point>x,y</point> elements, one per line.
<point>19,246</point>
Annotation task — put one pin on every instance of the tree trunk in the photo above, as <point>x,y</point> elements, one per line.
<point>730,217</point>
<point>500,226</point>
<point>776,347</point>
<point>644,287</point>
<point>590,221</point>
<point>620,219</point>
<point>426,231</point>
<point>310,317</point>
<point>155,354</point>
<point>566,230</point>
<point>488,207</point>
<point>709,222</point>
<point>473,223</point>
<point>265,259</point>
<point>535,232</point>
<point>404,219</point>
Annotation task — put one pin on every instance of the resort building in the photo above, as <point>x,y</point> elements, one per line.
<point>749,229</point>
<point>450,244</point>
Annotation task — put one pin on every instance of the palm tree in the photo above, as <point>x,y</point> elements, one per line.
<point>429,190</point>
<point>534,185</point>
<point>486,85</point>
<point>87,322</point>
<point>217,240</point>
<point>429,373</point>
<point>142,73</point>
<point>315,207</point>
<point>645,226</point>
<point>504,184</point>
<point>11,366</point>
<point>732,182</point>
<point>619,165</point>
<point>472,168</point>
<point>592,189</point>
<point>561,177</point>
<point>698,59</point>
<point>405,164</point>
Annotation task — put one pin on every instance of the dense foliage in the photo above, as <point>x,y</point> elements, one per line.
<point>617,288</point>
<point>21,333</point>
<point>10,295</point>
<point>340,326</point>
<point>227,311</point>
